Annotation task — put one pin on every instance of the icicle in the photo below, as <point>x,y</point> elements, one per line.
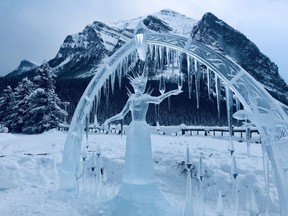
<point>220,209</point>
<point>238,107</point>
<point>87,129</point>
<point>107,95</point>
<point>197,81</point>
<point>190,76</point>
<point>218,93</point>
<point>98,174</point>
<point>251,203</point>
<point>112,80</point>
<point>234,196</point>
<point>180,81</point>
<point>156,57</point>
<point>234,171</point>
<point>248,133</point>
<point>93,166</point>
<point>231,148</point>
<point>126,66</point>
<point>156,113</point>
<point>208,82</point>
<point>188,160</point>
<point>172,54</point>
<point>189,210</point>
<point>168,52</point>
<point>200,174</point>
<point>161,57</point>
<point>229,107</point>
<point>84,157</point>
<point>266,176</point>
<point>119,74</point>
<point>162,86</point>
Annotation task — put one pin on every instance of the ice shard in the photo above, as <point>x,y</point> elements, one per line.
<point>190,76</point>
<point>220,209</point>
<point>162,85</point>
<point>200,175</point>
<point>218,94</point>
<point>197,81</point>
<point>229,107</point>
<point>248,140</point>
<point>208,82</point>
<point>266,177</point>
<point>189,210</point>
<point>234,211</point>
<point>231,148</point>
<point>251,203</point>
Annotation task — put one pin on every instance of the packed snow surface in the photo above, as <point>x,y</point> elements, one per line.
<point>29,167</point>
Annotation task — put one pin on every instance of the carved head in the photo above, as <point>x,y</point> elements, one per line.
<point>139,83</point>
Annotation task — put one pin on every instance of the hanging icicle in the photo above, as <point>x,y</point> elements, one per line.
<point>229,107</point>
<point>238,107</point>
<point>172,54</point>
<point>112,80</point>
<point>162,85</point>
<point>119,74</point>
<point>168,60</point>
<point>87,129</point>
<point>190,75</point>
<point>107,95</point>
<point>208,82</point>
<point>197,81</point>
<point>248,141</point>
<point>218,93</point>
<point>180,81</point>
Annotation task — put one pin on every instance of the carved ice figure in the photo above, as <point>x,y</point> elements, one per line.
<point>139,194</point>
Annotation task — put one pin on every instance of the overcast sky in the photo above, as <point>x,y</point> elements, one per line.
<point>35,29</point>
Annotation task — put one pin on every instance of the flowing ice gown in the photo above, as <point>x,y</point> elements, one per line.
<point>139,194</point>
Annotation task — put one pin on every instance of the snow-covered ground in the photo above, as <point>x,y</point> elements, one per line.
<point>29,167</point>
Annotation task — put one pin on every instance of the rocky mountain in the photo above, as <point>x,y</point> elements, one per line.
<point>214,32</point>
<point>82,53</point>
<point>24,67</point>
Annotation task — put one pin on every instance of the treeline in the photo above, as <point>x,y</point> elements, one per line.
<point>174,111</point>
<point>32,106</point>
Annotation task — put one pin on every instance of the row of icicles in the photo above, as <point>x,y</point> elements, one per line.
<point>165,63</point>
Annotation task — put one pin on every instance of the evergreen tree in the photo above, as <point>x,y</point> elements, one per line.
<point>43,112</point>
<point>22,92</point>
<point>7,101</point>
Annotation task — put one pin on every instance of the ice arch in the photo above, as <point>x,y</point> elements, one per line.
<point>261,108</point>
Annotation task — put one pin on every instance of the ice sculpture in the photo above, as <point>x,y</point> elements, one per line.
<point>138,189</point>
<point>226,72</point>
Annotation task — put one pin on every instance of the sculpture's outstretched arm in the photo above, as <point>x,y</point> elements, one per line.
<point>159,99</point>
<point>120,115</point>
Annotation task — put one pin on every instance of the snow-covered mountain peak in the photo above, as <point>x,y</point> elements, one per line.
<point>24,66</point>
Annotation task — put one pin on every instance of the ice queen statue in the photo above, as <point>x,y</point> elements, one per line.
<point>139,194</point>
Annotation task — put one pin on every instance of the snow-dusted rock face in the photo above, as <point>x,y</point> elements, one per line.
<point>214,32</point>
<point>81,54</point>
<point>25,66</point>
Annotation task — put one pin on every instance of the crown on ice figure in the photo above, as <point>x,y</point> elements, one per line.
<point>136,79</point>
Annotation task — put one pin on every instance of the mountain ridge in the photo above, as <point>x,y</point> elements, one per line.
<point>81,54</point>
